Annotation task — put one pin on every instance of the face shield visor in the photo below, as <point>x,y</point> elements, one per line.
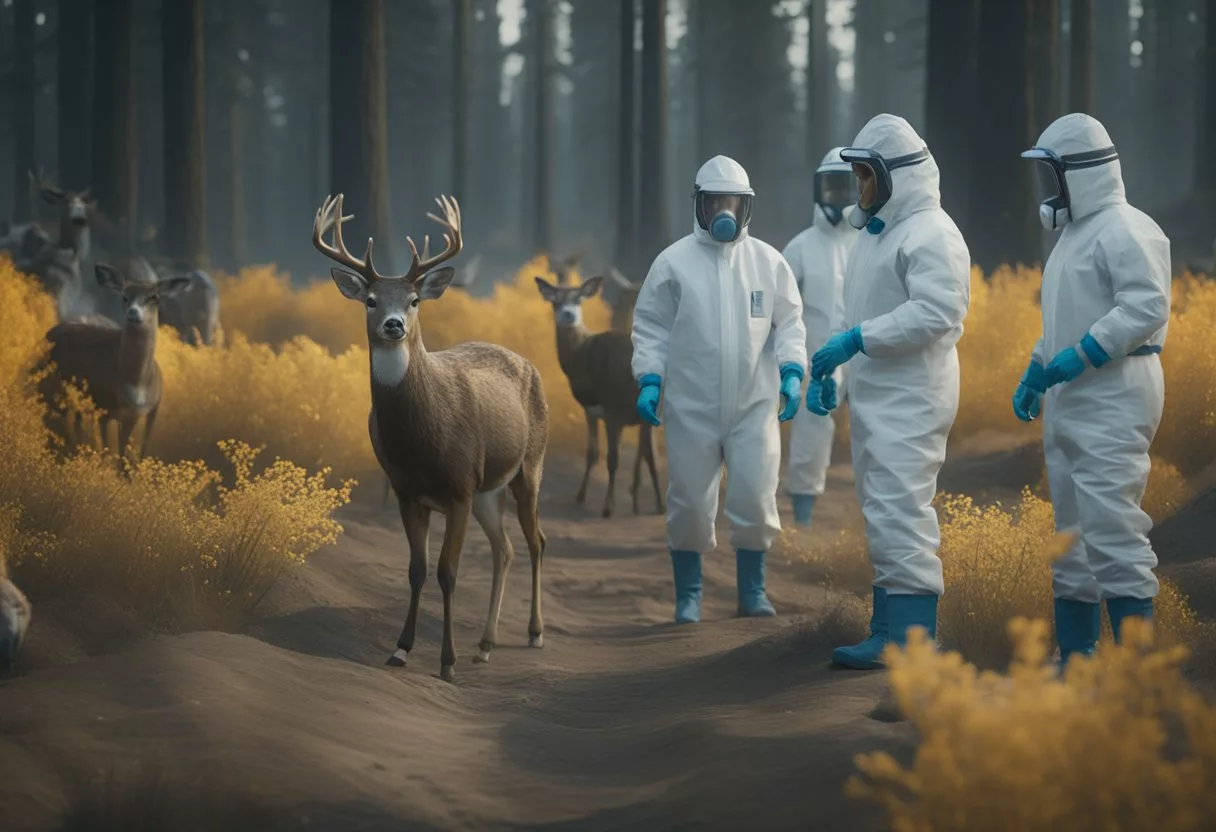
<point>723,215</point>
<point>835,190</point>
<point>1051,183</point>
<point>879,169</point>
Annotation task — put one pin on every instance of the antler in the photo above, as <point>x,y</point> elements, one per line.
<point>620,279</point>
<point>454,241</point>
<point>43,182</point>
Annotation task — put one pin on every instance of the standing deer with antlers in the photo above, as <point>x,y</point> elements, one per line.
<point>453,429</point>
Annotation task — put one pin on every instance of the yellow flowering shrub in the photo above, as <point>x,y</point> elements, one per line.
<point>170,540</point>
<point>1121,742</point>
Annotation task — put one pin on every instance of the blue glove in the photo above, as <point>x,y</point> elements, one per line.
<point>1068,363</point>
<point>1028,398</point>
<point>821,396</point>
<point>648,398</point>
<point>839,349</point>
<point>791,391</point>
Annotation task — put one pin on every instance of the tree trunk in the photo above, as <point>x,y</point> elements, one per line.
<point>653,209</point>
<point>184,103</point>
<point>115,159</point>
<point>542,81</point>
<point>461,94</point>
<point>951,97</point>
<point>1081,60</point>
<point>358,117</point>
<point>1045,63</point>
<point>820,82</point>
<point>74,88</point>
<point>1004,230</point>
<point>626,225</point>
<point>24,118</point>
<point>1206,162</point>
<point>238,254</point>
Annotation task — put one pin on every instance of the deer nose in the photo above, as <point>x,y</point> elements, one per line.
<point>394,328</point>
<point>134,315</point>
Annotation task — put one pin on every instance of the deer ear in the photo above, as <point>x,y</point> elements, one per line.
<point>351,285</point>
<point>51,195</point>
<point>108,276</point>
<point>434,284</point>
<point>173,285</point>
<point>590,287</point>
<point>547,290</point>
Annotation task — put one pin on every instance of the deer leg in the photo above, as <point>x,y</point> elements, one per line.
<point>489,509</point>
<point>417,522</point>
<point>646,442</point>
<point>593,454</point>
<point>126,428</point>
<point>612,429</point>
<point>526,490</point>
<point>388,489</point>
<point>149,421</point>
<point>637,472</point>
<point>449,565</point>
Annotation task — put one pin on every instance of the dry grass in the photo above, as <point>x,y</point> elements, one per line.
<point>1121,743</point>
<point>175,542</point>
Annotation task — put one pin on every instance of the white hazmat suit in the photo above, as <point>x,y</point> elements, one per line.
<point>908,289</point>
<point>818,257</point>
<point>1109,277</point>
<point>715,321</point>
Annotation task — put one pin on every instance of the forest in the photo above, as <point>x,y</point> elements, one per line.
<point>211,128</point>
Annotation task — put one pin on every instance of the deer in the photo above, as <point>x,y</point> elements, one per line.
<point>74,209</point>
<point>15,613</point>
<point>601,379</point>
<point>454,429</point>
<point>117,363</point>
<point>194,312</point>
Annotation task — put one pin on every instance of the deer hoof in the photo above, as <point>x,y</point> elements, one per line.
<point>483,656</point>
<point>607,511</point>
<point>537,641</point>
<point>447,672</point>
<point>398,659</point>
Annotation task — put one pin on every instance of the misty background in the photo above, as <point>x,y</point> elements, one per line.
<point>578,125</point>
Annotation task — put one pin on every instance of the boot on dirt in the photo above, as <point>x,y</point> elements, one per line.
<point>1078,625</point>
<point>686,567</point>
<point>865,655</point>
<point>803,505</point>
<point>1120,609</point>
<point>749,578</point>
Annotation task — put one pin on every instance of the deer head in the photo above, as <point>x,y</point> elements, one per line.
<point>14,621</point>
<point>73,207</point>
<point>391,301</point>
<point>141,291</point>
<point>567,301</point>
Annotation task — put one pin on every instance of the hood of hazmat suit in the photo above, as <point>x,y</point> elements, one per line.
<point>818,257</point>
<point>715,321</point>
<point>1108,276</point>
<point>908,287</point>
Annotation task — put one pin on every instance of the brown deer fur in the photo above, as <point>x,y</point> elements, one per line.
<point>454,429</point>
<point>601,379</point>
<point>117,364</point>
<point>15,613</point>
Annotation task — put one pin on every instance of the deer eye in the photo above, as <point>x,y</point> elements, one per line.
<point>414,303</point>
<point>371,303</point>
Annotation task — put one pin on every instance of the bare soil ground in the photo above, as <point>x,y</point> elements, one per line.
<point>622,721</point>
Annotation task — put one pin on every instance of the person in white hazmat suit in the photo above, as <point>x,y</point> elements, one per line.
<point>1106,303</point>
<point>717,331</point>
<point>818,257</point>
<point>906,292</point>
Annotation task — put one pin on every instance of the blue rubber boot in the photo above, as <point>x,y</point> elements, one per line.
<point>907,611</point>
<point>749,578</point>
<point>1078,626</point>
<point>686,567</point>
<point>864,656</point>
<point>803,504</point>
<point>1122,608</point>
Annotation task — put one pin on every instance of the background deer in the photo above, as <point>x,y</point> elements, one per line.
<point>452,429</point>
<point>14,620</point>
<point>601,379</point>
<point>116,363</point>
<point>74,209</point>
<point>195,311</point>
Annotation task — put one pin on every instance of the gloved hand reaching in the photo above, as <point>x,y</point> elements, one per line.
<point>1068,364</point>
<point>839,349</point>
<point>791,391</point>
<point>648,398</point>
<point>821,396</point>
<point>1028,398</point>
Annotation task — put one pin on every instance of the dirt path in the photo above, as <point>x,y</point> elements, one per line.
<point>622,721</point>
